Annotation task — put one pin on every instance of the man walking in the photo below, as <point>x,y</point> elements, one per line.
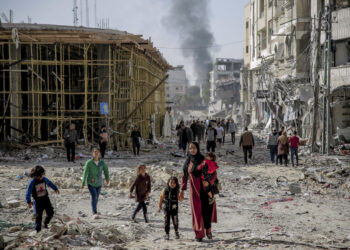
<point>232,129</point>
<point>220,135</point>
<point>103,140</point>
<point>210,137</point>
<point>272,144</point>
<point>247,142</point>
<point>193,128</point>
<point>71,138</point>
<point>294,145</point>
<point>199,132</point>
<point>185,137</point>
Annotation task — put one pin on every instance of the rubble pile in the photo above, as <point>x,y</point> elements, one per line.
<point>64,231</point>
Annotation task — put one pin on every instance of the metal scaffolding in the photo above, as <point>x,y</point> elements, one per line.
<point>56,75</point>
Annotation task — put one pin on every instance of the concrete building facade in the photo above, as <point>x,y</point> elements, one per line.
<point>176,85</point>
<point>224,86</point>
<point>276,68</point>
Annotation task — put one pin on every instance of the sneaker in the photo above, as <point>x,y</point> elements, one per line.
<point>177,235</point>
<point>95,216</point>
<point>166,237</point>
<point>134,220</point>
<point>211,200</point>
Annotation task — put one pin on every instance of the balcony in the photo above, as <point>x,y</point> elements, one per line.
<point>340,76</point>
<point>340,24</point>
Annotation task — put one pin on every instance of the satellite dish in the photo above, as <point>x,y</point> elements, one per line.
<point>15,37</point>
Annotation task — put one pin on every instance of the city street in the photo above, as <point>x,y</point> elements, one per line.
<point>255,207</point>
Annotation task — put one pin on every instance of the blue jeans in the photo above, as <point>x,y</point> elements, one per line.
<point>95,193</point>
<point>294,151</point>
<point>273,153</point>
<point>140,205</point>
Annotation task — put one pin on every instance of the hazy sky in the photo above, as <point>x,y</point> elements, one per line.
<point>143,17</point>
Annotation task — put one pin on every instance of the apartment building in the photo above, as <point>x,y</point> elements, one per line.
<point>176,85</point>
<point>340,68</point>
<point>224,86</point>
<point>275,84</point>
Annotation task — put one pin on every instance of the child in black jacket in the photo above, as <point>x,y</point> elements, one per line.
<point>169,202</point>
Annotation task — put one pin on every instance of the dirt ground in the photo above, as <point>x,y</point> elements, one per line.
<point>254,210</point>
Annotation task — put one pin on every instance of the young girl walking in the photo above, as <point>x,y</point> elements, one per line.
<point>168,201</point>
<point>37,188</point>
<point>93,176</point>
<point>142,186</point>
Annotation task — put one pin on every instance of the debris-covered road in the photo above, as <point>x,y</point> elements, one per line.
<point>261,205</point>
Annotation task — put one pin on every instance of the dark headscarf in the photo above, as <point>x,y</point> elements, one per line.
<point>195,159</point>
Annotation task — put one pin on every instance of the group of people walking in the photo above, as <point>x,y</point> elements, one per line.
<point>198,171</point>
<point>279,144</point>
<point>71,140</point>
<point>211,131</point>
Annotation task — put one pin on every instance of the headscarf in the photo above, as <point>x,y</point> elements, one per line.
<point>195,159</point>
<point>283,138</point>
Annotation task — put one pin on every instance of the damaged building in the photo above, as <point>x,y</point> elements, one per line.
<point>275,81</point>
<point>225,87</point>
<point>339,71</point>
<point>51,76</point>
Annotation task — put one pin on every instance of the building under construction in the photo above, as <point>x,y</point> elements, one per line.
<point>53,75</point>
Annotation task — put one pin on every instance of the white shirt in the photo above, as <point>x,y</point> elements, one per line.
<point>220,131</point>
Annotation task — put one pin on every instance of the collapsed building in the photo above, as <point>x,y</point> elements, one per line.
<point>339,71</point>
<point>225,87</point>
<point>275,82</point>
<point>53,75</point>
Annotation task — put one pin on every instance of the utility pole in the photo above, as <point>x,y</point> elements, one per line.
<point>329,44</point>
<point>316,82</point>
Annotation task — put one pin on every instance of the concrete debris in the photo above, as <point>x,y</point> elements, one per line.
<point>13,203</point>
<point>295,188</point>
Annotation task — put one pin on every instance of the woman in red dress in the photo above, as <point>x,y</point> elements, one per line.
<point>203,214</point>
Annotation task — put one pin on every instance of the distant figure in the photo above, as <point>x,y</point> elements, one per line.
<point>294,145</point>
<point>283,148</point>
<point>178,126</point>
<point>142,186</point>
<point>232,129</point>
<point>70,138</point>
<point>272,144</point>
<point>281,131</point>
<point>193,128</point>
<point>203,130</point>
<point>185,137</point>
<point>103,140</point>
<point>210,137</point>
<point>220,135</point>
<point>135,136</point>
<point>247,142</point>
<point>199,132</point>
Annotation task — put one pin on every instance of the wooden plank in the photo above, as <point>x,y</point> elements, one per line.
<point>39,143</point>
